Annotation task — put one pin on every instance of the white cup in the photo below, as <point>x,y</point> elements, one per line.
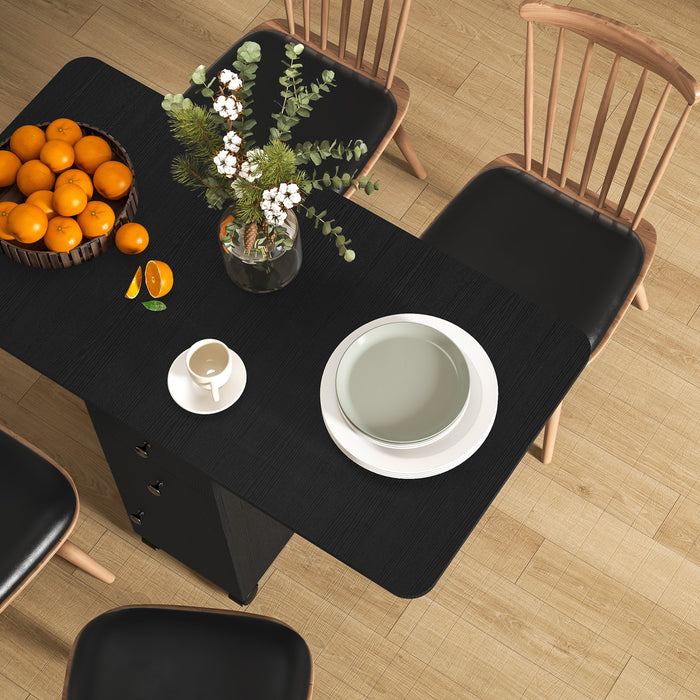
<point>209,365</point>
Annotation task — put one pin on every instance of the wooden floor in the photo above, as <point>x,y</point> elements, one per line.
<point>583,578</point>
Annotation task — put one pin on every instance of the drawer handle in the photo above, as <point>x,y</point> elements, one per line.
<point>136,518</point>
<point>155,488</point>
<point>142,450</point>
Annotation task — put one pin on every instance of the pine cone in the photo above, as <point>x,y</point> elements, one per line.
<point>250,234</point>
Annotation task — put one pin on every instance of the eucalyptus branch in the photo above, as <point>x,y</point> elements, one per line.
<point>327,228</point>
<point>296,98</point>
<point>317,152</point>
<point>337,181</point>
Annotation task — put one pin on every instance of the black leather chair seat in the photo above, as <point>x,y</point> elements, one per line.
<point>37,506</point>
<point>357,108</point>
<point>543,244</point>
<point>145,653</point>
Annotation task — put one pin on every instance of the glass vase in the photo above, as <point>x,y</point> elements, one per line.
<point>261,270</point>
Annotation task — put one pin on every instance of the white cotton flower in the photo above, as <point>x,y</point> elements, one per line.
<point>287,203</point>
<point>292,187</point>
<point>232,142</point>
<point>226,76</point>
<point>283,188</point>
<point>226,163</point>
<point>294,198</point>
<point>235,83</point>
<point>249,171</point>
<point>227,107</point>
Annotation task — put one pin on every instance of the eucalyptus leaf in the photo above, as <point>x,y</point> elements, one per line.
<point>249,52</point>
<point>154,305</point>
<point>199,75</point>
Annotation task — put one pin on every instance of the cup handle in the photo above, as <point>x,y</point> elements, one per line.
<point>215,392</point>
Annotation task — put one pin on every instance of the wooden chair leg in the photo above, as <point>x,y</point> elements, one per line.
<point>406,147</point>
<point>84,561</point>
<point>640,299</point>
<point>550,435</point>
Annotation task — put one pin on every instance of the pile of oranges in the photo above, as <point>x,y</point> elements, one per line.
<point>59,170</point>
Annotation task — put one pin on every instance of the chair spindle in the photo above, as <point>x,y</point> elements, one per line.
<point>622,137</point>
<point>661,167</point>
<point>364,28</point>
<point>576,113</point>
<point>529,94</point>
<point>289,8</point>
<point>398,43</point>
<point>598,126</point>
<point>324,24</point>
<point>307,21</point>
<point>381,35</point>
<point>643,149</point>
<point>552,105</point>
<point>344,21</point>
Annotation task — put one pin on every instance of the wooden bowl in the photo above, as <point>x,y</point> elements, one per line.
<point>37,255</point>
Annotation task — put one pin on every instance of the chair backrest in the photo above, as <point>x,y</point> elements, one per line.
<point>375,27</point>
<point>624,43</point>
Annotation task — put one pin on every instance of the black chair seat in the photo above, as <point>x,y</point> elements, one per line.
<point>341,114</point>
<point>37,506</point>
<point>149,653</point>
<point>531,238</point>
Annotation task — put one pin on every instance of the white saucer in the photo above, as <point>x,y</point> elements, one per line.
<point>196,399</point>
<point>451,448</point>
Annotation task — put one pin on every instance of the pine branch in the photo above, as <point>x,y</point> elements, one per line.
<point>198,129</point>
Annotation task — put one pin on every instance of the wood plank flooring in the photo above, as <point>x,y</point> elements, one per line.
<point>583,578</point>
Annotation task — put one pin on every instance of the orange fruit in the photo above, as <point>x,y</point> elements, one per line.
<point>135,286</point>
<point>5,209</point>
<point>131,238</point>
<point>34,175</point>
<point>112,179</point>
<point>90,152</point>
<point>76,177</point>
<point>96,219</point>
<point>69,200</point>
<point>43,200</point>
<point>159,278</point>
<point>62,234</point>
<point>27,223</point>
<point>9,165</point>
<point>64,130</point>
<point>58,155</point>
<point>26,142</point>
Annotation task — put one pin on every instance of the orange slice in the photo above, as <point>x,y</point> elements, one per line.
<point>135,286</point>
<point>159,278</point>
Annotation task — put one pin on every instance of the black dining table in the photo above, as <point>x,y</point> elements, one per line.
<point>243,480</point>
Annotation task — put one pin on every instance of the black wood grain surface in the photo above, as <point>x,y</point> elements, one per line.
<point>271,447</point>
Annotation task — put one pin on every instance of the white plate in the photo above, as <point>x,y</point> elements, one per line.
<point>402,384</point>
<point>196,399</point>
<point>449,449</point>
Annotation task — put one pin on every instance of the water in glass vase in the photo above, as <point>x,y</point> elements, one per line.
<point>262,269</point>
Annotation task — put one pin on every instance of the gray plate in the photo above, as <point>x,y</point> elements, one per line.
<point>402,383</point>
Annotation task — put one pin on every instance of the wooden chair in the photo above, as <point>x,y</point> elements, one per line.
<point>38,510</point>
<point>369,101</point>
<point>178,653</point>
<point>373,66</point>
<point>550,235</point>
